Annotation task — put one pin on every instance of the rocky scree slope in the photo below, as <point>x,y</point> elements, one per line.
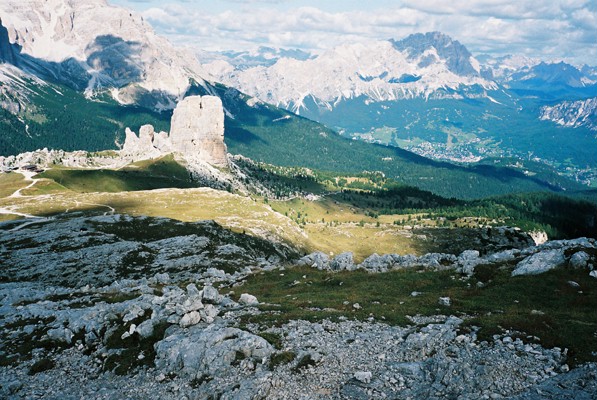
<point>103,249</point>
<point>161,317</point>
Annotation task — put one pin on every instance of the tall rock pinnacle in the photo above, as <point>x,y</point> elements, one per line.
<point>197,129</point>
<point>196,132</point>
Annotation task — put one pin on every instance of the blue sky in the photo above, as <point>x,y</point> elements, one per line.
<point>551,30</point>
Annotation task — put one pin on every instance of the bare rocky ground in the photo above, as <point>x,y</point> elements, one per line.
<point>112,307</point>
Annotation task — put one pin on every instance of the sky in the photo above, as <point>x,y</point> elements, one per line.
<point>550,30</point>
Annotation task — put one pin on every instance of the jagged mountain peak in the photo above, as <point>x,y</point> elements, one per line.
<point>553,74</point>
<point>430,47</point>
<point>262,56</point>
<point>425,65</point>
<point>91,45</point>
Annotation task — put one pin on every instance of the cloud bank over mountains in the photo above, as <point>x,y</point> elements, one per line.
<point>554,30</point>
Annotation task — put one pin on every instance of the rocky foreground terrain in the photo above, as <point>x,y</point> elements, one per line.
<point>112,306</point>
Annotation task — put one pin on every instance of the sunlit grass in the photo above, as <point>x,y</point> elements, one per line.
<point>11,182</point>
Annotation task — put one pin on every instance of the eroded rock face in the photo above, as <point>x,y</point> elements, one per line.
<point>147,144</point>
<point>197,129</point>
<point>197,132</point>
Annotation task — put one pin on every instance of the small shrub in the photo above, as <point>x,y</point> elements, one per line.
<point>272,338</point>
<point>303,363</point>
<point>41,365</point>
<point>281,358</point>
<point>196,382</point>
<point>485,273</point>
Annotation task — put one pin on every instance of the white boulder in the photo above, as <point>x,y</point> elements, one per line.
<point>444,301</point>
<point>363,376</point>
<point>190,319</point>
<point>541,262</point>
<point>248,299</point>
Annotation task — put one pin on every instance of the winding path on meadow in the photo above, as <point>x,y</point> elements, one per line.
<point>29,176</point>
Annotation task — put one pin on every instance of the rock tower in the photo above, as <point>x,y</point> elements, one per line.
<point>197,129</point>
<point>196,132</point>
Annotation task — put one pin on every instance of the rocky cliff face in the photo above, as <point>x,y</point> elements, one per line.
<point>197,132</point>
<point>572,113</point>
<point>197,129</point>
<point>91,45</point>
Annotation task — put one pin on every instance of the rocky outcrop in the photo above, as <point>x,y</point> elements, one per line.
<point>572,113</point>
<point>317,260</point>
<point>197,129</point>
<point>532,260</point>
<point>209,351</point>
<point>540,262</point>
<point>343,261</point>
<point>69,251</point>
<point>196,132</point>
<point>577,253</point>
<point>148,144</point>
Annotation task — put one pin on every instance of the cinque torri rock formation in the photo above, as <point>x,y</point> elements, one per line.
<point>196,132</point>
<point>197,129</point>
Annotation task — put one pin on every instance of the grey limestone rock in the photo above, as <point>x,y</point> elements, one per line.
<point>468,260</point>
<point>541,262</point>
<point>190,319</point>
<point>317,260</point>
<point>247,299</point>
<point>579,260</point>
<point>210,295</point>
<point>377,263</point>
<point>208,351</point>
<point>148,144</point>
<point>363,376</point>
<point>197,129</point>
<point>343,261</point>
<point>444,301</point>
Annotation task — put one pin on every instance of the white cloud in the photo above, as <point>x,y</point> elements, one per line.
<point>560,29</point>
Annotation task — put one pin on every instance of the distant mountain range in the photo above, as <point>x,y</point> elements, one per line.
<point>382,71</point>
<point>427,93</point>
<point>430,65</point>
